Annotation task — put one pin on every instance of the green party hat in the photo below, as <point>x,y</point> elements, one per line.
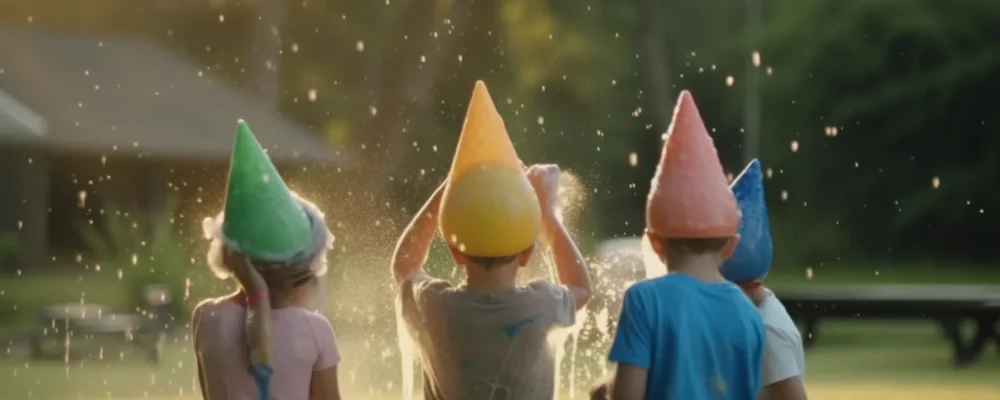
<point>262,220</point>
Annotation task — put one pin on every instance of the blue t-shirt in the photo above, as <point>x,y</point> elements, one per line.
<point>698,340</point>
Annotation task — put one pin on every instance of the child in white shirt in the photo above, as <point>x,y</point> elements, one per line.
<point>784,359</point>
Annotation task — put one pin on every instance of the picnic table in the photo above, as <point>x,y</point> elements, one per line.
<point>74,321</point>
<point>949,305</point>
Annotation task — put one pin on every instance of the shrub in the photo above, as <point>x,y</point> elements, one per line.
<point>148,249</point>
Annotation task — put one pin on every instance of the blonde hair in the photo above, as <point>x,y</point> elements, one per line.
<point>258,276</point>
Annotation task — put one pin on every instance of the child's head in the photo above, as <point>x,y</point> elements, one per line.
<point>679,249</point>
<point>690,210</point>
<point>489,213</point>
<point>751,259</point>
<point>293,282</point>
<point>491,264</point>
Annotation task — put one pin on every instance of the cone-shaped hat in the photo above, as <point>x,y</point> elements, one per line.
<point>752,257</point>
<point>689,197</point>
<point>262,220</point>
<point>489,208</point>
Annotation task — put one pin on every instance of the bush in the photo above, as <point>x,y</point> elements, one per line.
<point>147,249</point>
<point>9,246</point>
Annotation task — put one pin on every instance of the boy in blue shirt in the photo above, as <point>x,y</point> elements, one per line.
<point>688,335</point>
<point>784,360</point>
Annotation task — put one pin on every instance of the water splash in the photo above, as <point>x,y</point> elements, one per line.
<point>407,354</point>
<point>651,261</point>
<point>571,200</point>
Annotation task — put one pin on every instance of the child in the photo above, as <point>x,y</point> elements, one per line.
<point>688,335</point>
<point>274,244</point>
<point>784,360</point>
<point>487,337</point>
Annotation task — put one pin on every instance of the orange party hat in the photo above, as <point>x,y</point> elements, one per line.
<point>689,197</point>
<point>489,208</point>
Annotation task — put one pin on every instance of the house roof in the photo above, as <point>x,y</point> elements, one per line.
<point>100,93</point>
<point>18,122</point>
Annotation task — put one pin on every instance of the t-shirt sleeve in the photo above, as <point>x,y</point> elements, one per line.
<point>417,292</point>
<point>632,343</point>
<point>326,341</point>
<point>780,356</point>
<point>557,300</point>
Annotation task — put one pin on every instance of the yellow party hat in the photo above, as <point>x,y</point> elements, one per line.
<point>489,208</point>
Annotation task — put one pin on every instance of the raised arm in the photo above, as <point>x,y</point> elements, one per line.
<point>415,242</point>
<point>569,263</point>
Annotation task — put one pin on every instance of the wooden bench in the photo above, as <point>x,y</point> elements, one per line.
<point>949,305</point>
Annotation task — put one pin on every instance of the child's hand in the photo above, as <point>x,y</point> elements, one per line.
<point>545,179</point>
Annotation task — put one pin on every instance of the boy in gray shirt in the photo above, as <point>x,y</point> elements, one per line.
<point>487,337</point>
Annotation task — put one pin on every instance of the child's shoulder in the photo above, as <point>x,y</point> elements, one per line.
<point>776,318</point>
<point>211,305</point>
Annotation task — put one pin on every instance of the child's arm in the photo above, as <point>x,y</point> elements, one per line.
<point>569,263</point>
<point>788,389</point>
<point>195,323</point>
<point>782,377</point>
<point>415,243</point>
<point>629,383</point>
<point>325,385</point>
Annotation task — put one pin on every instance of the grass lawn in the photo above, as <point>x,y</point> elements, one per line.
<point>853,360</point>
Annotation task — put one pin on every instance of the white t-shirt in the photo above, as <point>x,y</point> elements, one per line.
<point>783,354</point>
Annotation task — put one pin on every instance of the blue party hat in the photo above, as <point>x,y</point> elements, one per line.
<point>752,257</point>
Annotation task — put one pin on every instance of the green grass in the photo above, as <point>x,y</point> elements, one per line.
<point>852,360</point>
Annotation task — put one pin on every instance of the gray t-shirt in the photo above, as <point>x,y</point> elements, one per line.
<point>485,346</point>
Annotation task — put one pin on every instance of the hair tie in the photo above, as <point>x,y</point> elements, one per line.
<point>257,297</point>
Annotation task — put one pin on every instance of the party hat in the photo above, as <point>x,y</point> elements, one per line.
<point>489,208</point>
<point>752,257</point>
<point>689,197</point>
<point>262,220</point>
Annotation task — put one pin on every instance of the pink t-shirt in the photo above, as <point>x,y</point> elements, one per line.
<point>302,341</point>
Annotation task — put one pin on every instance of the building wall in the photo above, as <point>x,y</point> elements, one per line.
<point>24,205</point>
<point>46,199</point>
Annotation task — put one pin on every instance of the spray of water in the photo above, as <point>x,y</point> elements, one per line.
<point>407,355</point>
<point>571,200</point>
<point>651,261</point>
